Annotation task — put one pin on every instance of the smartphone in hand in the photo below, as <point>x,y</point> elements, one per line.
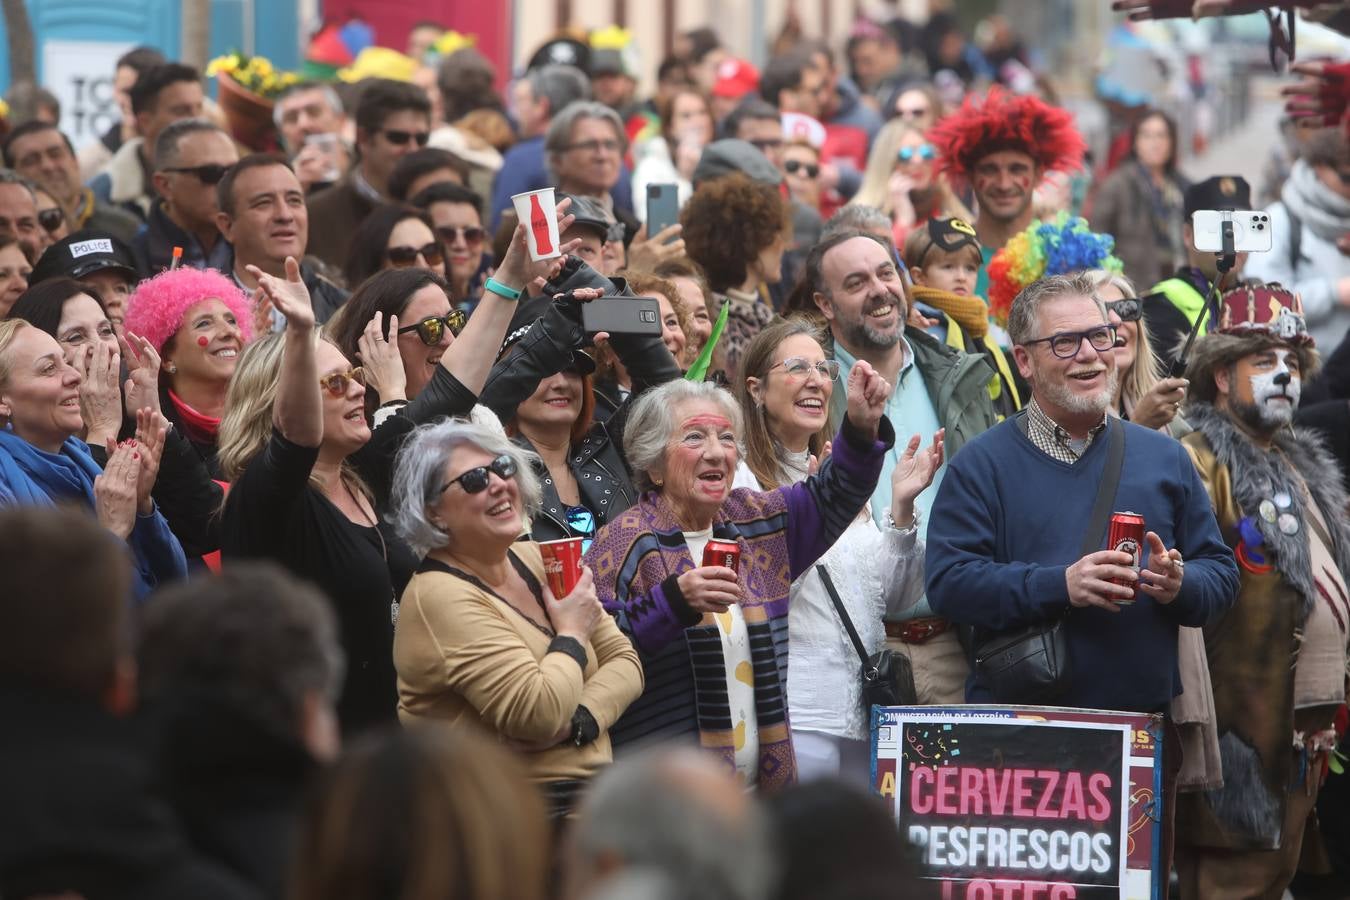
<point>663,207</point>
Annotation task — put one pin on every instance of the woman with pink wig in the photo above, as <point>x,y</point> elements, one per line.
<point>198,321</point>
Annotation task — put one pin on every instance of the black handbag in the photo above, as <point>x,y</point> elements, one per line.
<point>887,679</point>
<point>1030,666</point>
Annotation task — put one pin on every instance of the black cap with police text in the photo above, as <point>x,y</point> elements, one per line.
<point>83,253</point>
<point>1219,192</point>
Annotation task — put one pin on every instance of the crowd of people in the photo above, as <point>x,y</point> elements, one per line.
<point>288,430</point>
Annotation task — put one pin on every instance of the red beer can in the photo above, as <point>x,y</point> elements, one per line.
<point>1126,534</point>
<point>562,565</point>
<point>722,553</point>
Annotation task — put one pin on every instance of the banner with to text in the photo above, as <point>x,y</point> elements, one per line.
<point>1024,803</point>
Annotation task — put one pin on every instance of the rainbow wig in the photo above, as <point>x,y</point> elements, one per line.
<point>1057,247</point>
<point>1007,121</point>
<point>157,310</point>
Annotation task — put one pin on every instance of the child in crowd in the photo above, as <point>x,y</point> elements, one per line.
<point>944,263</point>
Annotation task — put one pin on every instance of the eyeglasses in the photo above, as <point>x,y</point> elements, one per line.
<point>403,256</point>
<point>801,367</point>
<point>764,146</point>
<point>923,151</point>
<point>610,146</point>
<point>337,383</point>
<point>581,522</point>
<point>1065,344</point>
<point>400,138</point>
<point>431,328</point>
<point>211,173</point>
<point>913,112</point>
<point>472,235</point>
<point>793,166</point>
<point>1129,309</point>
<point>51,219</point>
<point>475,480</point>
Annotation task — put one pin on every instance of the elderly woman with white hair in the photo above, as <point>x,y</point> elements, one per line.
<point>480,637</point>
<point>713,639</point>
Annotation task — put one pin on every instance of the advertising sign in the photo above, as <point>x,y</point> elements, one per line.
<point>80,73</point>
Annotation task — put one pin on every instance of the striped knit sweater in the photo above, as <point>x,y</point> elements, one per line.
<point>638,556</point>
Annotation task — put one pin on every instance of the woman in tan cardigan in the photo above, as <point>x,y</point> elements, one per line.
<point>480,637</point>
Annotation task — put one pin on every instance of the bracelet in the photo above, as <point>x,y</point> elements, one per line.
<point>906,530</point>
<point>500,289</point>
<point>389,403</point>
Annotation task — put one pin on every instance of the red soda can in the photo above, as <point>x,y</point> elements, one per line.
<point>562,565</point>
<point>1126,535</point>
<point>722,553</point>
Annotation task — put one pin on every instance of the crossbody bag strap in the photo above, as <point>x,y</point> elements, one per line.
<point>1106,489</point>
<point>843,615</point>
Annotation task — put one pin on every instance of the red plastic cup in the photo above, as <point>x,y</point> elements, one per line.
<point>562,565</point>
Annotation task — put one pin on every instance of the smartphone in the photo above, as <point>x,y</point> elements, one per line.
<point>1251,230</point>
<point>622,315</point>
<point>663,207</point>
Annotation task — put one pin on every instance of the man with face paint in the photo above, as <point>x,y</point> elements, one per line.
<point>1277,659</point>
<point>1003,146</point>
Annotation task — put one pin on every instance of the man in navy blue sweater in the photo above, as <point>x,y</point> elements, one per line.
<point>1008,522</point>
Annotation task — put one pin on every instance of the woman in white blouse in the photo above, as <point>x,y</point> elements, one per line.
<point>785,393</point>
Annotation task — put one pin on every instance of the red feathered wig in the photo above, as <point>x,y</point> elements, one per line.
<point>1006,121</point>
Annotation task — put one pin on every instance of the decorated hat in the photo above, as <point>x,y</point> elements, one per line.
<point>563,51</point>
<point>1266,309</point>
<point>1063,245</point>
<point>1006,121</point>
<point>951,234</point>
<point>613,52</point>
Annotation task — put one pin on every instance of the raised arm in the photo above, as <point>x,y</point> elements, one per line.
<point>298,410</point>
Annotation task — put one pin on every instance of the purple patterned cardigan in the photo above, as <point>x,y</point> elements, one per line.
<point>638,556</point>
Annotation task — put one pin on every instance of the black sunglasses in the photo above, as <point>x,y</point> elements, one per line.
<point>211,173</point>
<point>404,256</point>
<point>475,480</point>
<point>51,219</point>
<point>794,165</point>
<point>1129,309</point>
<point>431,328</point>
<point>402,137</point>
<point>472,235</point>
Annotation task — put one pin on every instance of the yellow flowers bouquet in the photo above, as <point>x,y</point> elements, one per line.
<point>254,74</point>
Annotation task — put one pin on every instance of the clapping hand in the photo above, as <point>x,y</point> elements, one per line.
<point>380,359</point>
<point>289,297</point>
<point>152,429</point>
<point>115,491</point>
<point>100,391</point>
<point>142,384</point>
<point>913,474</point>
<point>867,395</point>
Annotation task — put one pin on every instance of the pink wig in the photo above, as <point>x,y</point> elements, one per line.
<point>157,310</point>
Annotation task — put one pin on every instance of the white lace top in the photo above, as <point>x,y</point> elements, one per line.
<point>874,570</point>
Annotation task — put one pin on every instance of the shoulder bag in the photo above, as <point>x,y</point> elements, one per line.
<point>887,679</point>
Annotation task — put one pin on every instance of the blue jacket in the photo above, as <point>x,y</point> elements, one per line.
<point>1009,520</point>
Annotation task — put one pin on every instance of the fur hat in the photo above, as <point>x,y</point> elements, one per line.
<point>1252,319</point>
<point>1007,121</point>
<point>157,309</point>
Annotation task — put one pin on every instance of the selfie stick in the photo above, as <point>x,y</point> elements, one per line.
<point>1227,258</point>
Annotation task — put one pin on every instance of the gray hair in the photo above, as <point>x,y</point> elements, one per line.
<point>167,144</point>
<point>330,97</point>
<point>857,217</point>
<point>560,84</point>
<point>9,176</point>
<point>418,479</point>
<point>559,134</point>
<point>1026,306</point>
<point>644,811</point>
<point>652,421</point>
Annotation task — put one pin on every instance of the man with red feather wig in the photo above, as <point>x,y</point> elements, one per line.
<point>1002,146</point>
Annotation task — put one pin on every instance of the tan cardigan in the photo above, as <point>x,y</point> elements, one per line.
<point>462,654</point>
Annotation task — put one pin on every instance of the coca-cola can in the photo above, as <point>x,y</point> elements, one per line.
<point>562,564</point>
<point>722,553</point>
<point>1126,535</point>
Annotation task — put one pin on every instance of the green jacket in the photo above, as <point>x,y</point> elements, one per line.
<point>958,386</point>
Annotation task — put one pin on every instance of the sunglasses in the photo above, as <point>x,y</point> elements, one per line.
<point>472,235</point>
<point>923,151</point>
<point>1065,344</point>
<point>400,138</point>
<point>1129,309</point>
<point>432,328</point>
<point>337,383</point>
<point>403,256</point>
<point>912,112</point>
<point>475,480</point>
<point>51,219</point>
<point>211,173</point>
<point>800,367</point>
<point>766,145</point>
<point>581,522</point>
<point>793,166</point>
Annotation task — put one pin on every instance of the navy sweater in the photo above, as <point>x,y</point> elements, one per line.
<point>1007,522</point>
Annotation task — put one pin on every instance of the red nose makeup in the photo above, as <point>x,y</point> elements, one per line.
<point>203,341</point>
